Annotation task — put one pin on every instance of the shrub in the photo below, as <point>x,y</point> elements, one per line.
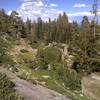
<point>49,55</point>
<point>3,48</point>
<point>7,91</point>
<point>4,57</point>
<point>7,60</point>
<point>57,67</point>
<point>73,81</point>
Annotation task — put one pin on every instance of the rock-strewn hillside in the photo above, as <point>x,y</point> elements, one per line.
<point>24,64</point>
<point>30,91</point>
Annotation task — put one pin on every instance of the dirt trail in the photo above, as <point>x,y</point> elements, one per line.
<point>30,91</point>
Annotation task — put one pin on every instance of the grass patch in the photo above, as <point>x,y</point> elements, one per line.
<point>26,57</point>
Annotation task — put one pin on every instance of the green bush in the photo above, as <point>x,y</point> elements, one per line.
<point>72,80</point>
<point>3,47</point>
<point>7,60</point>
<point>7,91</point>
<point>4,57</point>
<point>57,67</point>
<point>50,56</point>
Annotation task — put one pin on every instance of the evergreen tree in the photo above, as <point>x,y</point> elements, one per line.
<point>39,28</point>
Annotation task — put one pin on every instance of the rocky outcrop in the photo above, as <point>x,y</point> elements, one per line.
<point>91,86</point>
<point>66,56</point>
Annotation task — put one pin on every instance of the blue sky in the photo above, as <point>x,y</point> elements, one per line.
<point>75,9</point>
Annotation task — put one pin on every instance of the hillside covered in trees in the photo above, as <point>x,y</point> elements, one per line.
<point>64,51</point>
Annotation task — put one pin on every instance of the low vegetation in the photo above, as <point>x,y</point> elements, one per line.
<point>7,91</point>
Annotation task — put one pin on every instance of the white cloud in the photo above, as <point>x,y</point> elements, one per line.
<point>9,12</point>
<point>38,8</point>
<point>70,20</point>
<point>53,5</point>
<point>78,5</point>
<point>85,13</point>
<point>41,8</point>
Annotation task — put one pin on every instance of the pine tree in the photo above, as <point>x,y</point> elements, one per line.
<point>16,24</point>
<point>39,28</point>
